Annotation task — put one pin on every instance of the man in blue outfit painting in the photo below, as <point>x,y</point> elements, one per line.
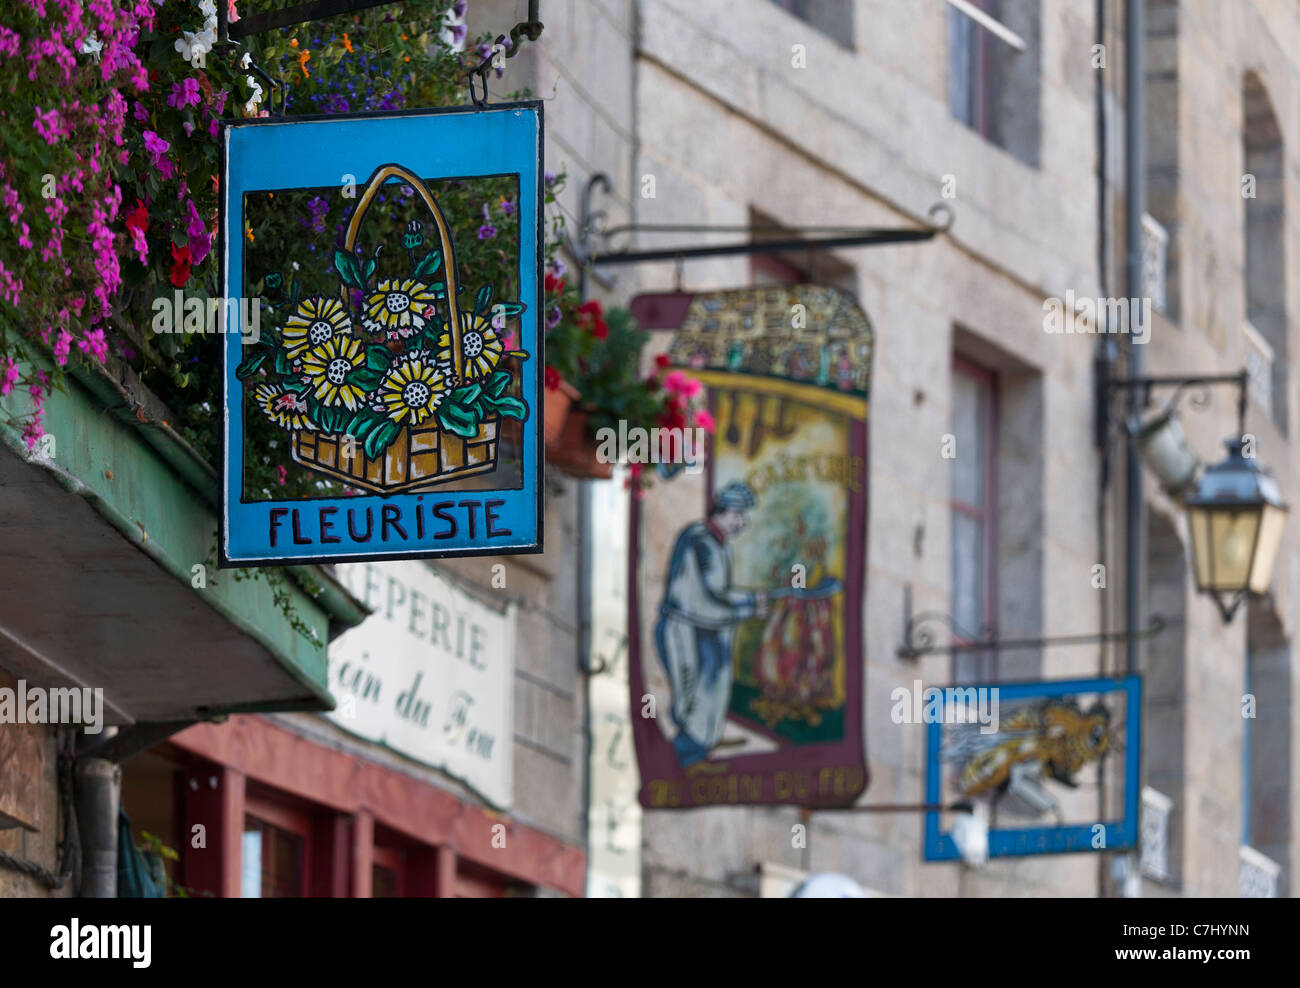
<point>697,622</point>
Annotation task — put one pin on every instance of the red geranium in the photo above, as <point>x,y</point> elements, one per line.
<point>663,361</point>
<point>554,285</point>
<point>181,265</point>
<point>138,218</point>
<point>553,379</point>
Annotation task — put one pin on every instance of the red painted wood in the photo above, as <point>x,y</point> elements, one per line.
<point>347,783</point>
<point>331,851</point>
<point>214,800</point>
<point>363,854</point>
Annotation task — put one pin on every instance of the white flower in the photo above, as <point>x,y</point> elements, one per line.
<point>247,60</point>
<point>250,108</point>
<point>92,46</point>
<point>208,8</point>
<point>191,45</point>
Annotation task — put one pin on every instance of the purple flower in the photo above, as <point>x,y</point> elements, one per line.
<point>458,8</point>
<point>559,267</point>
<point>184,93</point>
<point>487,231</point>
<point>553,317</point>
<point>550,178</point>
<point>508,207</point>
<point>318,207</point>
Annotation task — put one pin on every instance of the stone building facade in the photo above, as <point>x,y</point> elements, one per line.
<point>865,113</point>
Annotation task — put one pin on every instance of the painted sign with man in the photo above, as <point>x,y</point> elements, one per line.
<point>746,587</point>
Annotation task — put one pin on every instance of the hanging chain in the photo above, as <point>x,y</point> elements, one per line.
<point>530,29</point>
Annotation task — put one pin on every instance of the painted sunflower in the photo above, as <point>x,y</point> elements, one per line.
<point>399,308</point>
<point>413,389</point>
<point>481,346</point>
<point>284,408</point>
<point>316,322</point>
<point>330,367</point>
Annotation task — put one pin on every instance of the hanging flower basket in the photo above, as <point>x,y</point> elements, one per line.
<point>413,396</point>
<point>574,450</point>
<point>559,402</point>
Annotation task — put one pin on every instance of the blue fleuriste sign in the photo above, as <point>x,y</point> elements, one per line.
<point>383,352</point>
<point>1038,761</point>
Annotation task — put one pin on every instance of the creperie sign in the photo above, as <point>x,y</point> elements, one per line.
<point>428,674</point>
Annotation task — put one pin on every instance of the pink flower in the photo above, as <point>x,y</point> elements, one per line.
<point>8,378</point>
<point>703,420</point>
<point>61,348</point>
<point>94,344</point>
<point>282,474</point>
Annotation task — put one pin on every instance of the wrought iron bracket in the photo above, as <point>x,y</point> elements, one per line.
<point>530,29</point>
<point>919,636</point>
<point>589,256</point>
<point>1141,388</point>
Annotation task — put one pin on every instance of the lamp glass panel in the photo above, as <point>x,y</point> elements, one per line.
<point>1270,538</point>
<point>1232,541</point>
<point>1199,520</point>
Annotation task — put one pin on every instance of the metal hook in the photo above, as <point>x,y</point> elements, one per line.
<point>946,211</point>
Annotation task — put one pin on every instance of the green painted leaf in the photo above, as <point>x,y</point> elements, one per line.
<point>459,419</point>
<point>512,408</point>
<point>348,267</point>
<point>497,383</point>
<point>466,395</point>
<point>379,358</point>
<point>367,271</point>
<point>381,438</point>
<point>483,299</point>
<point>283,365</point>
<point>250,366</point>
<point>427,266</point>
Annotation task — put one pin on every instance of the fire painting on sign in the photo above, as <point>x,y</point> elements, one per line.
<point>382,405</point>
<point>747,580</point>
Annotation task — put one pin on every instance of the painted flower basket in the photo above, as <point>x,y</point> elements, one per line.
<point>412,397</point>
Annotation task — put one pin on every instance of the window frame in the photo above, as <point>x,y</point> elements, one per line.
<point>987,381</point>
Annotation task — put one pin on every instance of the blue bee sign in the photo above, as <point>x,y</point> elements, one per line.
<point>1036,755</point>
<point>382,350</point>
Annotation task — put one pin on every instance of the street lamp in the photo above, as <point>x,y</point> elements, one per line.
<point>1236,517</point>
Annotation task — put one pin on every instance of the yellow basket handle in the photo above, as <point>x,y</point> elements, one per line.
<point>376,182</point>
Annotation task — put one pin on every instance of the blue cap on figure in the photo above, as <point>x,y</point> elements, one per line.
<point>736,496</point>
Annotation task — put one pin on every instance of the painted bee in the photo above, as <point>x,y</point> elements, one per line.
<point>1050,739</point>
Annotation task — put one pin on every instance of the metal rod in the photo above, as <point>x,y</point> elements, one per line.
<point>1134,207</point>
<point>1130,383</point>
<point>768,247</point>
<point>909,651</point>
<point>962,807</point>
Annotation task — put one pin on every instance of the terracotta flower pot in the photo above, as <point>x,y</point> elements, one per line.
<point>574,451</point>
<point>559,401</point>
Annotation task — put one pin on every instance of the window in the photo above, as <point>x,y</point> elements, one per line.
<point>276,844</point>
<point>1160,227</point>
<point>387,873</point>
<point>993,68</point>
<point>833,18</point>
<point>274,865</point>
<point>1263,189</point>
<point>974,510</point>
